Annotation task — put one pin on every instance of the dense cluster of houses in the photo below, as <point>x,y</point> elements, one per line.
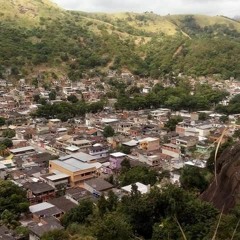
<point>61,163</point>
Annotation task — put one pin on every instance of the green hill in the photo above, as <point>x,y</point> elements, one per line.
<point>28,12</point>
<point>38,36</point>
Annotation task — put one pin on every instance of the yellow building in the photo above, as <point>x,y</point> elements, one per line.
<point>149,144</point>
<point>79,167</point>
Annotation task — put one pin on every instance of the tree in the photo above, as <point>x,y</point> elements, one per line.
<point>95,107</point>
<point>42,101</point>
<point>55,235</point>
<point>102,205</point>
<point>78,214</point>
<point>172,122</point>
<point>173,203</point>
<point>125,165</point>
<point>22,232</point>
<point>193,178</point>
<point>36,98</point>
<point>203,116</point>
<point>236,134</point>
<point>8,133</point>
<point>108,131</point>
<point>72,98</point>
<point>52,95</point>
<point>107,204</point>
<point>9,218</point>
<point>112,201</point>
<point>113,226</point>
<point>2,121</point>
<point>223,119</point>
<point>7,142</point>
<point>139,212</point>
<point>3,150</point>
<point>138,174</point>
<point>123,149</point>
<point>81,232</point>
<point>12,199</point>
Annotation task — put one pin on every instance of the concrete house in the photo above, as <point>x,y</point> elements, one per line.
<point>116,160</point>
<point>38,192</point>
<point>149,144</point>
<point>186,141</point>
<point>57,180</point>
<point>97,186</point>
<point>114,163</point>
<point>37,230</point>
<point>171,150</point>
<point>80,167</point>
<point>98,151</point>
<point>150,160</point>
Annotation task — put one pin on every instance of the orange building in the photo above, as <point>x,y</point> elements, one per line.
<point>79,167</point>
<point>149,144</point>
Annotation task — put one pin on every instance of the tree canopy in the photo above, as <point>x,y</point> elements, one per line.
<point>13,202</point>
<point>108,131</point>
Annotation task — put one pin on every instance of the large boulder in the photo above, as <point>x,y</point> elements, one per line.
<point>224,192</point>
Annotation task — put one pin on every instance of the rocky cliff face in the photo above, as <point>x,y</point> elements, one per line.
<point>225,192</point>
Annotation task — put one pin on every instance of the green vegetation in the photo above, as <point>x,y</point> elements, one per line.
<point>2,121</point>
<point>72,99</point>
<point>137,174</point>
<point>55,235</point>
<point>7,143</point>
<point>52,95</point>
<point>108,131</point>
<point>13,202</point>
<point>149,216</point>
<point>180,97</point>
<point>145,44</point>
<point>156,215</point>
<point>67,110</point>
<point>211,159</point>
<point>194,178</point>
<point>172,122</point>
<point>232,108</point>
<point>8,133</point>
<point>78,214</point>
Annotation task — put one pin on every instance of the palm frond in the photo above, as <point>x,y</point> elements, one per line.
<point>180,227</point>
<point>216,152</point>
<point>235,230</point>
<point>219,220</point>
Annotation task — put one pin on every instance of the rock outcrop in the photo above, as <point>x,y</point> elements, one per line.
<point>224,192</point>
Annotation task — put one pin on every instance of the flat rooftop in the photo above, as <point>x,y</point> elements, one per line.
<point>109,120</point>
<point>171,145</point>
<point>148,139</point>
<point>58,176</point>
<point>40,207</point>
<point>118,154</point>
<point>74,165</point>
<point>80,156</point>
<point>142,188</point>
<point>72,148</point>
<point>21,150</point>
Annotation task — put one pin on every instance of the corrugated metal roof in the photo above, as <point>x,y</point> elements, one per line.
<point>57,176</point>
<point>40,207</point>
<point>23,149</point>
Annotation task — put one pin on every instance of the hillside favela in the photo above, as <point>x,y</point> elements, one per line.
<point>119,120</point>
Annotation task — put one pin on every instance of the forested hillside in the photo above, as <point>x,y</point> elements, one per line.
<point>37,36</point>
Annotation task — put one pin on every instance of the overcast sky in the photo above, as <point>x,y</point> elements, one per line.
<point>163,7</point>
